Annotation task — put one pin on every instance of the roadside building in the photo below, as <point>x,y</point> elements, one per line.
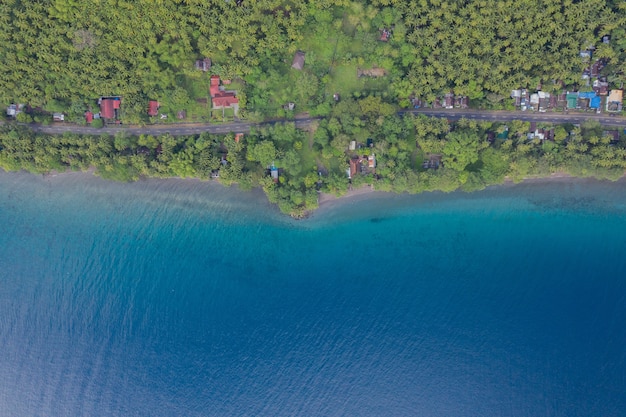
<point>448,100</point>
<point>14,109</point>
<point>539,101</point>
<point>222,98</point>
<point>109,107</point>
<point>588,99</point>
<point>572,100</point>
<point>153,108</point>
<point>614,101</point>
<point>516,95</point>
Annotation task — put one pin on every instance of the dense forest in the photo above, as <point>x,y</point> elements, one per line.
<point>61,55</point>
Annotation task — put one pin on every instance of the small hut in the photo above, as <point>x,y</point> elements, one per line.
<point>298,61</point>
<point>203,64</point>
<point>274,173</point>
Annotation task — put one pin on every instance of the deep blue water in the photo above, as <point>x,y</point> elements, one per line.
<point>181,298</point>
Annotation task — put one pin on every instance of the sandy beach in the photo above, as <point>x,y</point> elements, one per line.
<point>326,198</point>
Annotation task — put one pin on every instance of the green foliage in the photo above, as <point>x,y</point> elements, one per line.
<point>461,149</point>
<point>263,152</point>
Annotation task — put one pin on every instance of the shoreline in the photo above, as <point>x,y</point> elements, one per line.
<point>326,200</point>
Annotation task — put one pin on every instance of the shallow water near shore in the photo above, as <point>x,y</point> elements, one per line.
<point>184,298</point>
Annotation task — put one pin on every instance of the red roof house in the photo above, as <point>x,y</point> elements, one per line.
<point>107,111</point>
<point>215,85</point>
<point>89,117</point>
<point>221,98</point>
<point>153,108</point>
<point>225,100</point>
<point>108,107</point>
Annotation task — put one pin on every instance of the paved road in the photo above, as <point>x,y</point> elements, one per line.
<point>176,130</point>
<point>244,127</point>
<point>502,116</point>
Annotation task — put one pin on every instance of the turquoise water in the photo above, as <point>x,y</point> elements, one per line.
<point>181,298</point>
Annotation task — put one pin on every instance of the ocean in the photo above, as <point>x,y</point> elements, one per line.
<point>184,298</point>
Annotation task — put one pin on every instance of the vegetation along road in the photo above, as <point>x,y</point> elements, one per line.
<point>244,127</point>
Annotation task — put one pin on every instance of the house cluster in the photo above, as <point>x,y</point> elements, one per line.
<point>109,110</point>
<point>540,133</point>
<point>600,97</point>
<point>365,164</point>
<point>451,101</point>
<point>222,98</point>
<point>595,66</point>
<point>361,164</point>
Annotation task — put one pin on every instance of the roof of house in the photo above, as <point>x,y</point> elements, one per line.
<point>616,95</point>
<point>571,98</point>
<point>203,64</point>
<point>181,114</point>
<point>596,68</point>
<point>553,100</point>
<point>219,97</point>
<point>594,103</point>
<point>354,165</point>
<point>298,60</point>
<point>107,108</point>
<point>153,108</point>
<point>371,161</point>
<point>225,100</point>
<point>215,85</point>
<point>586,94</point>
<point>89,117</point>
